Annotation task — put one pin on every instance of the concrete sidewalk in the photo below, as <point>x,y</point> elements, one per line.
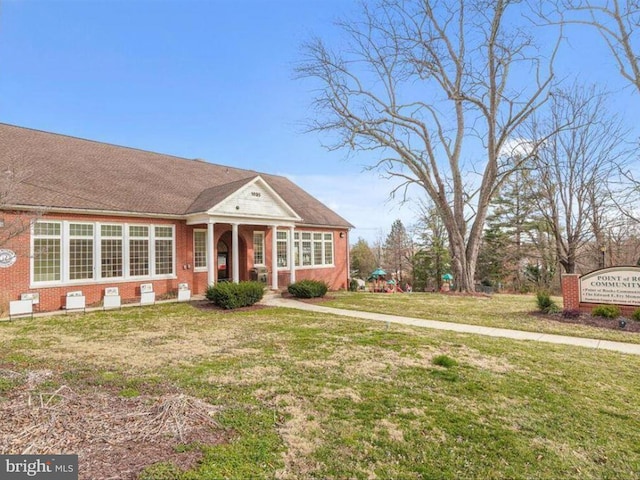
<point>630,348</point>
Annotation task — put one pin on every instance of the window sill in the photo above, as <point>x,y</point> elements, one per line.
<point>102,281</point>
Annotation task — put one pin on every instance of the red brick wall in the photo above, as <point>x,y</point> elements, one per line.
<point>15,279</point>
<point>571,291</point>
<point>571,297</point>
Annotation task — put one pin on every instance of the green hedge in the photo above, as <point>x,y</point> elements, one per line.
<point>606,311</point>
<point>235,295</point>
<point>308,289</point>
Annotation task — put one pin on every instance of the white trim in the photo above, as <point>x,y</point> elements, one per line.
<point>80,211</point>
<point>235,254</point>
<point>274,258</point>
<point>211,261</point>
<point>202,218</point>
<point>191,219</point>
<point>291,213</point>
<point>292,260</point>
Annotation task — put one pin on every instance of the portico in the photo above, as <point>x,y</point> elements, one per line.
<point>252,206</point>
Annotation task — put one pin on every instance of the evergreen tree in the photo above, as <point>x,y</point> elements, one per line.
<point>512,236</point>
<point>363,260</point>
<point>398,251</point>
<point>433,258</point>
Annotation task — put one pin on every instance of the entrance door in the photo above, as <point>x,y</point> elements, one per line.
<point>223,261</point>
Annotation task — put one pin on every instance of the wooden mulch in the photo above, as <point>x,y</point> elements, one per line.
<point>114,437</point>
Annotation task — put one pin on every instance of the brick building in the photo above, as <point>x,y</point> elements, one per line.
<point>101,215</point>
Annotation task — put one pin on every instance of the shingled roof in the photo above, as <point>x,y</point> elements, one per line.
<point>72,173</point>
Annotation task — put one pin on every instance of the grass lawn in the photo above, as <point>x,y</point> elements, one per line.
<point>500,311</point>
<point>300,395</point>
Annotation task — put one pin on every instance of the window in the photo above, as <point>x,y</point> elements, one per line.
<point>138,251</point>
<point>306,248</point>
<point>313,248</point>
<point>258,248</point>
<point>111,251</point>
<point>199,249</point>
<point>328,249</point>
<point>47,242</point>
<point>317,249</point>
<point>164,250</point>
<point>282,249</point>
<point>80,251</point>
<point>71,252</point>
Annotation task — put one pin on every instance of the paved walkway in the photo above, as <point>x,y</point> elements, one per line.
<point>630,348</point>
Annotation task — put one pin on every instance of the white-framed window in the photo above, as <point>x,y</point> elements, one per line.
<point>200,249</point>
<point>67,252</point>
<point>47,252</point>
<point>139,251</point>
<point>258,248</point>
<point>282,247</point>
<point>313,249</point>
<point>328,249</point>
<point>111,251</point>
<point>163,250</point>
<point>81,258</point>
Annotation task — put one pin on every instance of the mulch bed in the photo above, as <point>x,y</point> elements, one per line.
<point>593,321</point>
<point>114,437</point>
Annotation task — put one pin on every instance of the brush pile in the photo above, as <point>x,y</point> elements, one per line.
<point>114,437</point>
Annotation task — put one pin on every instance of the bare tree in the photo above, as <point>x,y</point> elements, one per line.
<point>13,223</point>
<point>617,21</point>
<point>438,88</point>
<point>574,169</point>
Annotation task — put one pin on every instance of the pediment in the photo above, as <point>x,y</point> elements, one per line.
<point>255,199</point>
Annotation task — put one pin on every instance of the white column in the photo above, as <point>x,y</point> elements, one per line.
<point>274,257</point>
<point>211,273</point>
<point>292,260</point>
<point>235,254</point>
<point>348,260</point>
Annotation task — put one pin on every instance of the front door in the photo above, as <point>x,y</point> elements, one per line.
<point>223,261</point>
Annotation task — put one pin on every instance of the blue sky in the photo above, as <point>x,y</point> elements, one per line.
<point>202,79</point>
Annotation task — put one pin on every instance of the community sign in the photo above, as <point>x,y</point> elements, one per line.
<point>616,285</point>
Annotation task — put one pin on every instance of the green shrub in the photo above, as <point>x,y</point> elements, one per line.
<point>353,285</point>
<point>636,315</point>
<point>308,289</point>
<point>606,311</point>
<point>545,303</point>
<point>444,361</point>
<point>235,295</point>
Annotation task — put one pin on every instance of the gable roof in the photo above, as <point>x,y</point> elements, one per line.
<point>72,173</point>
